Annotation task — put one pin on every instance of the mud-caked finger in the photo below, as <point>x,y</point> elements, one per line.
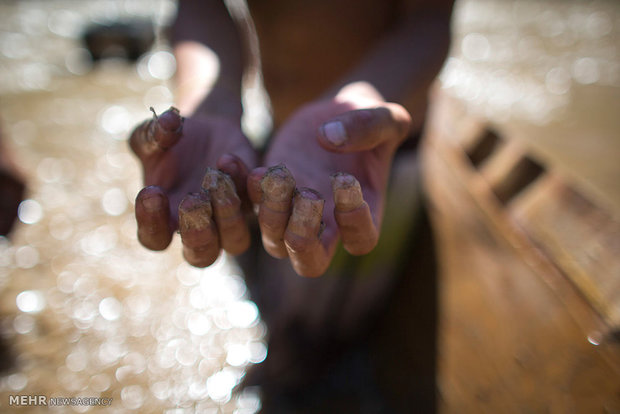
<point>232,227</point>
<point>277,187</point>
<point>158,134</point>
<point>357,229</point>
<point>153,218</point>
<point>201,246</point>
<point>303,234</point>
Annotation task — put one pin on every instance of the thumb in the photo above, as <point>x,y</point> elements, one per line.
<point>365,129</point>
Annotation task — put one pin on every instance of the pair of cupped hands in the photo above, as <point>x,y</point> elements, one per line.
<point>323,178</point>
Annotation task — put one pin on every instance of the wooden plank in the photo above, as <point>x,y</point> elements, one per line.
<point>516,335</point>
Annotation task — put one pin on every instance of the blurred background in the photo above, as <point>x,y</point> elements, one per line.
<point>549,72</point>
<point>85,310</point>
<point>88,311</point>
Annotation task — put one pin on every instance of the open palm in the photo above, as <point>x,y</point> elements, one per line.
<point>335,150</point>
<point>175,154</point>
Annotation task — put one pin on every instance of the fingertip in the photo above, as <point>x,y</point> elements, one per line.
<point>259,172</point>
<point>347,191</point>
<point>198,258</point>
<point>402,118</point>
<point>230,164</point>
<point>157,134</point>
<point>170,120</point>
<point>237,170</point>
<point>195,211</point>
<point>168,128</point>
<point>307,214</point>
<point>153,218</point>
<point>216,180</point>
<point>278,184</point>
<point>357,228</point>
<point>198,234</point>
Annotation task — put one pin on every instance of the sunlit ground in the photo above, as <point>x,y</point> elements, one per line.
<point>89,312</point>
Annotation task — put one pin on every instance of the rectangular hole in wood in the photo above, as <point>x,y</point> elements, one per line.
<point>522,175</point>
<point>483,147</point>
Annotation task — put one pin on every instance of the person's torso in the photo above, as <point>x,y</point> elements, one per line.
<point>307,46</point>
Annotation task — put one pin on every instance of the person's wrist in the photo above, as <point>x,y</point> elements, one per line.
<point>205,85</point>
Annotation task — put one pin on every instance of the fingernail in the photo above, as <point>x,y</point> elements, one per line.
<point>307,213</point>
<point>278,185</point>
<point>170,120</point>
<point>347,192</point>
<point>152,204</point>
<point>335,133</point>
<point>195,212</point>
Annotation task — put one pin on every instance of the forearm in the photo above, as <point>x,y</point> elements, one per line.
<point>210,59</point>
<point>404,63</point>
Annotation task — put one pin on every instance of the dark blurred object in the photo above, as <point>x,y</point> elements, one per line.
<point>119,40</point>
<point>7,357</point>
<point>12,190</point>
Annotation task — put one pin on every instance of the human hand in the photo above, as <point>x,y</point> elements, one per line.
<point>343,146</point>
<point>206,207</point>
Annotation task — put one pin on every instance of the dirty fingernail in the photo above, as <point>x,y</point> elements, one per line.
<point>305,221</point>
<point>278,185</point>
<point>170,120</point>
<point>347,192</point>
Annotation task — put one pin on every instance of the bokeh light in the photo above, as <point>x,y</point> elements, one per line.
<point>30,301</point>
<point>87,309</point>
<point>29,211</point>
